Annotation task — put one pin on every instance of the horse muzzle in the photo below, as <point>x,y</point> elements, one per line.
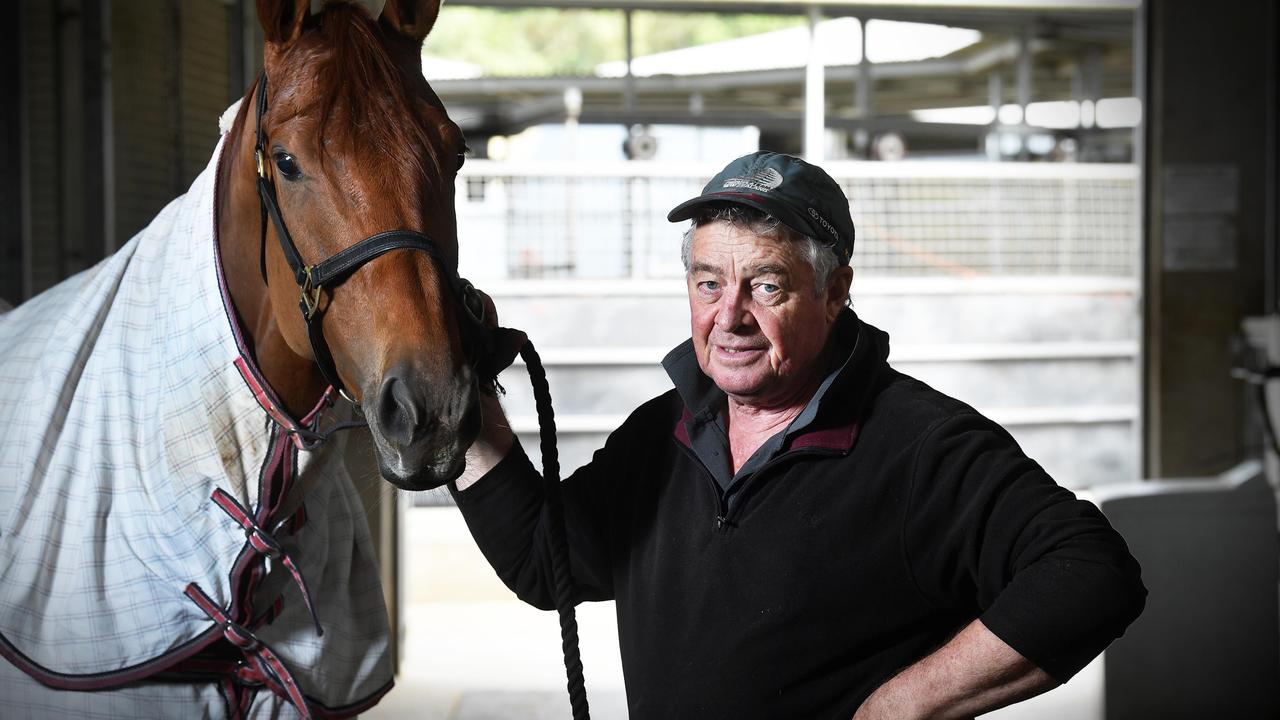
<point>422,428</point>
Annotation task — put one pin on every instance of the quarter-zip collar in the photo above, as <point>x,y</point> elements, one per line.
<point>828,422</point>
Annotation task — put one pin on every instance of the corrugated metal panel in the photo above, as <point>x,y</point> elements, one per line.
<point>205,66</point>
<point>12,235</point>
<point>170,84</point>
<point>40,77</point>
<point>146,132</point>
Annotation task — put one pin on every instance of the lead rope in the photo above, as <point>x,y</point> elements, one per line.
<point>559,546</point>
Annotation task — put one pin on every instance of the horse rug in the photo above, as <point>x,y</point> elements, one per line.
<point>161,517</point>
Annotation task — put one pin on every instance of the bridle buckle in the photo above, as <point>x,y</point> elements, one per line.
<point>310,294</point>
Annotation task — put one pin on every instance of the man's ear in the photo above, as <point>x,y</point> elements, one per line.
<point>410,19</point>
<point>282,19</point>
<point>838,291</point>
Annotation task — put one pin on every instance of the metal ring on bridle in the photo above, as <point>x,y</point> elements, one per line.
<point>471,300</point>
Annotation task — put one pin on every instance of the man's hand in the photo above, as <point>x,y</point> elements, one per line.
<point>974,673</point>
<point>495,437</point>
<point>506,341</point>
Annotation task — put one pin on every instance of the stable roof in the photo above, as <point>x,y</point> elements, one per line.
<point>839,42</point>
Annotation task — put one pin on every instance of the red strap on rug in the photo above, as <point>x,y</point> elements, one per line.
<point>272,670</point>
<point>264,544</point>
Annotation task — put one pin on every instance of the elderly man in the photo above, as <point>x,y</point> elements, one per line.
<point>797,530</point>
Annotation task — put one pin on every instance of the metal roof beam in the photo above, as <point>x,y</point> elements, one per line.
<point>828,7</point>
<point>976,63</point>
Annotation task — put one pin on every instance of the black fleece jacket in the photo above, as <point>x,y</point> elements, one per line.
<point>896,517</point>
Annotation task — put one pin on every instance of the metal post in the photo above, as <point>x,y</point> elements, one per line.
<point>572,112</point>
<point>1086,85</point>
<point>628,189</point>
<point>13,255</point>
<point>1024,83</point>
<point>94,25</point>
<point>995,96</point>
<point>108,169</point>
<point>173,82</point>
<point>24,151</point>
<point>865,109</point>
<point>235,51</point>
<point>1270,270</point>
<point>252,44</point>
<point>1024,70</point>
<point>71,134</point>
<point>629,83</point>
<point>1146,440</point>
<point>814,94</point>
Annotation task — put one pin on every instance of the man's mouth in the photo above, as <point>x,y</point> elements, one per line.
<point>738,352</point>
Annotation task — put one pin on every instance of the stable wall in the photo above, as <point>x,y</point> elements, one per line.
<point>1210,230</point>
<point>110,111</point>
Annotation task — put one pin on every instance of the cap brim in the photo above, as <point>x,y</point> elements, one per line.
<point>689,208</point>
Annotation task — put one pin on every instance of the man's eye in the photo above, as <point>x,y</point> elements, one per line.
<point>709,285</point>
<point>768,288</point>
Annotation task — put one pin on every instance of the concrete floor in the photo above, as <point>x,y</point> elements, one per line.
<point>474,652</point>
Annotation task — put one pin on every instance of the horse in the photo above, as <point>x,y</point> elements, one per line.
<point>179,528</point>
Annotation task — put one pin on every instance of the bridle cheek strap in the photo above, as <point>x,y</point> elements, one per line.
<point>332,271</point>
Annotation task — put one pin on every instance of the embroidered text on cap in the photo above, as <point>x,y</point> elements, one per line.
<point>826,225</point>
<point>762,181</point>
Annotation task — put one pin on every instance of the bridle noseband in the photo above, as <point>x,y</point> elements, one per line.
<point>332,271</point>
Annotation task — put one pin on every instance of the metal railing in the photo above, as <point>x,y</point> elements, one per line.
<point>608,221</point>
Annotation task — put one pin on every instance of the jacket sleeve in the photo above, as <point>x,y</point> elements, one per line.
<point>988,532</point>
<point>508,518</point>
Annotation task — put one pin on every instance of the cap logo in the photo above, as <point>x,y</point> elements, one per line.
<point>763,181</point>
<point>824,224</point>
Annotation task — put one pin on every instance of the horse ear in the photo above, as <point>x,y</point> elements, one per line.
<point>411,18</point>
<point>282,19</point>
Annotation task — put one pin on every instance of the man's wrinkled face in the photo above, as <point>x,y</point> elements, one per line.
<point>758,325</point>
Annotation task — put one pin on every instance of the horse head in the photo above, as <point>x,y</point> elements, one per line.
<point>350,142</point>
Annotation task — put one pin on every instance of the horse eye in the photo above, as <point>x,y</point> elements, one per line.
<point>462,158</point>
<point>287,165</point>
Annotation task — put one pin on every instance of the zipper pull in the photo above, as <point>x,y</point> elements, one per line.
<point>720,522</point>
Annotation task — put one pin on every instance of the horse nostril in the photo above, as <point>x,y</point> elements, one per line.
<point>398,413</point>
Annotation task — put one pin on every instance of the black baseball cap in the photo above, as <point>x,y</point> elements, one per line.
<point>801,196</point>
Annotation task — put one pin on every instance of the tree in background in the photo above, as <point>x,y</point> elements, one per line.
<point>547,41</point>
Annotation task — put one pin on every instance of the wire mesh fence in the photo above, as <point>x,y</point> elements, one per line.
<point>913,219</point>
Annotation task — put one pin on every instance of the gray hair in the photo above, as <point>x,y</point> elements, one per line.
<point>822,258</point>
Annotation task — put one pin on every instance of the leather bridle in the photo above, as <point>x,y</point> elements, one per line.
<point>331,272</point>
<point>334,270</point>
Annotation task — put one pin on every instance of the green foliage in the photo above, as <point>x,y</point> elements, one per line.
<point>547,41</point>
<point>656,32</point>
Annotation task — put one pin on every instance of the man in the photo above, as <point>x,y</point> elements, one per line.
<point>797,530</point>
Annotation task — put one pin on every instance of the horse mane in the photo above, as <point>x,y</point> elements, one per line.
<point>355,77</point>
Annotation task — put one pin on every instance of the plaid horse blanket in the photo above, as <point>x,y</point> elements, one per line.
<point>170,545</point>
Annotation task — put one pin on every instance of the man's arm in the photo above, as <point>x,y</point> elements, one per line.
<point>501,497</point>
<point>989,534</point>
<point>974,673</point>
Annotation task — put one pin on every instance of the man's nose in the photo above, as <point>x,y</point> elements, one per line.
<point>731,313</point>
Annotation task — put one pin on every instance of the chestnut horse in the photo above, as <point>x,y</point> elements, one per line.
<point>179,528</point>
<point>355,143</point>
